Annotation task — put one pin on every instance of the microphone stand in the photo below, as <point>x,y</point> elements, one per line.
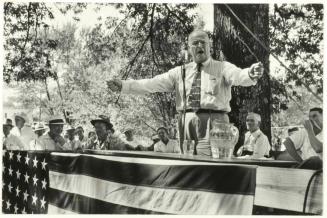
<point>182,134</point>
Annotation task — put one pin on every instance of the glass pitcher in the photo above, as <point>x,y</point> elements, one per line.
<point>223,138</point>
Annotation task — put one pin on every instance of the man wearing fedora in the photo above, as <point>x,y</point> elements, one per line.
<point>105,138</point>
<point>22,130</point>
<point>53,140</point>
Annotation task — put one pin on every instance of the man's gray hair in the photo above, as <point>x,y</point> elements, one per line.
<point>256,116</point>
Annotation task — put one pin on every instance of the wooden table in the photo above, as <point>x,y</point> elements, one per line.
<point>278,185</point>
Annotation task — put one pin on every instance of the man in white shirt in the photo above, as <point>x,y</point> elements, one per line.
<point>207,89</point>
<point>22,131</point>
<point>306,145</point>
<point>130,139</point>
<point>256,143</point>
<point>53,140</point>
<point>10,141</point>
<point>39,131</point>
<point>165,144</point>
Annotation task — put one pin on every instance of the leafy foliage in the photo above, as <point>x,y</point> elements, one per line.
<point>297,37</point>
<point>27,49</point>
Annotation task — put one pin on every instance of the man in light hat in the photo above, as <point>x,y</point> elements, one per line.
<point>207,90</point>
<point>22,130</point>
<point>39,131</point>
<point>105,137</point>
<point>256,143</point>
<point>53,140</point>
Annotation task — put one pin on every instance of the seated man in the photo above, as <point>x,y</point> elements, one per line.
<point>10,141</point>
<point>256,144</point>
<point>105,138</point>
<point>79,136</point>
<point>305,145</point>
<point>24,132</point>
<point>130,139</point>
<point>165,144</point>
<point>71,143</point>
<point>52,140</point>
<point>39,131</point>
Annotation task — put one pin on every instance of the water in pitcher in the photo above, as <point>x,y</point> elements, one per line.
<point>223,137</point>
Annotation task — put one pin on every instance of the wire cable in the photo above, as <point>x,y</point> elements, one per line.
<point>268,50</point>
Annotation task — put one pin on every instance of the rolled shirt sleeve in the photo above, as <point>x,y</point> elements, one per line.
<point>298,138</point>
<point>161,83</point>
<point>237,76</point>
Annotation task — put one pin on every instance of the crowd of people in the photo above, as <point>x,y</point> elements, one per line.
<point>52,137</point>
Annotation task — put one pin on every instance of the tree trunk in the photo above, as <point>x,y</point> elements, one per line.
<point>48,95</point>
<point>240,48</point>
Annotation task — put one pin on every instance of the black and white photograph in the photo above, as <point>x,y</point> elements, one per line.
<point>166,108</point>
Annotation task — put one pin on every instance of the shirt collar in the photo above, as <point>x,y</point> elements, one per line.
<point>256,133</point>
<point>204,64</point>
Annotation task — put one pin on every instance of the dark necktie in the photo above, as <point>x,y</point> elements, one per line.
<point>195,93</point>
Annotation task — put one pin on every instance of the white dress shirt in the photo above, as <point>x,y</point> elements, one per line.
<point>217,78</point>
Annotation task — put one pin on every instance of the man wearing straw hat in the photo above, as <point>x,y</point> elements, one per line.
<point>39,131</point>
<point>53,140</point>
<point>22,130</point>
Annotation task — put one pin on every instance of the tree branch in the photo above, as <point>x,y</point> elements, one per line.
<point>178,18</point>
<point>28,32</point>
<point>154,56</point>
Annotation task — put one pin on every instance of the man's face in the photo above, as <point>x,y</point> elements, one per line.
<point>40,132</point>
<point>199,46</point>
<point>251,123</point>
<point>316,119</point>
<point>162,134</point>
<point>19,122</point>
<point>101,129</point>
<point>129,135</point>
<point>80,133</point>
<point>6,130</point>
<point>56,129</point>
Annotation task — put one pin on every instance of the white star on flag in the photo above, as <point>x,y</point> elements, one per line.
<point>18,157</point>
<point>35,179</point>
<point>34,199</point>
<point>44,164</point>
<point>24,211</point>
<point>3,185</point>
<point>25,195</point>
<point>8,204</point>
<point>35,162</point>
<point>3,168</point>
<point>17,191</point>
<point>43,203</point>
<point>18,174</point>
<point>27,159</point>
<point>44,183</point>
<point>9,187</point>
<point>11,154</point>
<point>26,177</point>
<point>10,171</point>
<point>16,208</point>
